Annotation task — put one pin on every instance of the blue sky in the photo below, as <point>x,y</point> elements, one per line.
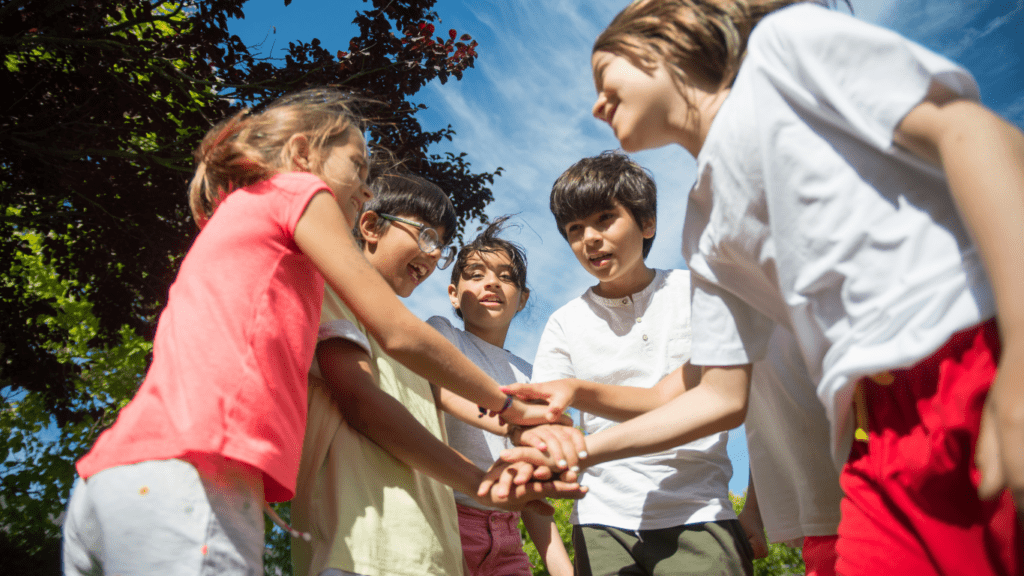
<point>525,107</point>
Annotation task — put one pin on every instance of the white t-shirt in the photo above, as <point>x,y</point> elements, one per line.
<point>636,341</point>
<point>787,438</point>
<point>806,214</point>
<point>506,368</point>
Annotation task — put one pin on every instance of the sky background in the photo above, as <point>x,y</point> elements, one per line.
<point>525,107</point>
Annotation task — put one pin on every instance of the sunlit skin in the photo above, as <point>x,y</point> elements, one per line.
<point>609,245</point>
<point>487,296</point>
<point>649,109</point>
<point>395,252</point>
<point>345,167</point>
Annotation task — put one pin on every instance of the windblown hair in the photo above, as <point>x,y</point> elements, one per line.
<point>701,41</point>
<point>488,242</point>
<point>403,194</point>
<point>594,184</point>
<point>248,148</point>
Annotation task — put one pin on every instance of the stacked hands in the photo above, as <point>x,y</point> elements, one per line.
<point>546,459</point>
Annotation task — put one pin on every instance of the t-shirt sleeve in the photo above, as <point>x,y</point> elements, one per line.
<point>726,331</point>
<point>444,327</point>
<point>337,321</point>
<point>297,190</point>
<point>852,73</point>
<point>554,360</point>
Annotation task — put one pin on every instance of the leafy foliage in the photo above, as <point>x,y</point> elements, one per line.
<point>782,560</point>
<point>103,104</point>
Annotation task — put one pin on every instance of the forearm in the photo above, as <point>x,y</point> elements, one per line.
<point>544,533</point>
<point>384,420</point>
<point>322,235</point>
<point>468,412</point>
<point>620,403</point>
<point>719,403</point>
<point>350,384</point>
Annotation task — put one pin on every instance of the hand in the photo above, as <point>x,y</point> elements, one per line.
<point>537,458</point>
<point>753,527</point>
<point>559,394</point>
<point>520,412</point>
<point>509,486</point>
<point>998,453</point>
<point>564,444</point>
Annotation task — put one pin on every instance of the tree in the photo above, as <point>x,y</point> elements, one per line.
<point>104,103</point>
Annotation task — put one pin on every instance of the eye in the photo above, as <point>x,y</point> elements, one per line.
<point>606,216</point>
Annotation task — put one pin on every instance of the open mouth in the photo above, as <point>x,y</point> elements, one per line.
<point>599,260</point>
<point>418,272</point>
<point>491,299</point>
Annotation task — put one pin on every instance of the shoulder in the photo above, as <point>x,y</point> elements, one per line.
<point>296,183</point>
<point>797,21</point>
<point>445,327</point>
<point>675,279</point>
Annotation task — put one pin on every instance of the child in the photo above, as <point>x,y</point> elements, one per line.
<point>668,512</point>
<point>488,288</point>
<point>840,169</point>
<point>373,426</point>
<point>216,427</point>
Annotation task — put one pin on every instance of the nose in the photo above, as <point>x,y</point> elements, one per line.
<point>599,108</point>
<point>591,235</point>
<point>434,255</point>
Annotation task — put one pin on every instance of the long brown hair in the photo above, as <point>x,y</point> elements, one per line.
<point>698,40</point>
<point>248,148</point>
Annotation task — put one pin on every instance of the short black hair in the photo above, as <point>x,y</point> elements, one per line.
<point>489,242</point>
<point>403,194</point>
<point>594,184</point>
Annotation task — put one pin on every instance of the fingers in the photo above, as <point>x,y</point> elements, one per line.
<point>525,391</point>
<point>550,439</point>
<point>527,454</point>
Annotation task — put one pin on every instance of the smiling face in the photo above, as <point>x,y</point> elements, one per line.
<point>639,106</point>
<point>394,251</point>
<point>487,295</point>
<point>609,245</point>
<point>344,168</point>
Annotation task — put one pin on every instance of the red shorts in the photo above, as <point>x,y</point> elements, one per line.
<point>910,505</point>
<point>819,554</point>
<point>492,543</point>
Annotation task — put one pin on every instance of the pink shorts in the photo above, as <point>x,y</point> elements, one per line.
<point>910,505</point>
<point>819,554</point>
<point>492,543</point>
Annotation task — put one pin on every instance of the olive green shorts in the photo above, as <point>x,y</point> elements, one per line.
<point>715,548</point>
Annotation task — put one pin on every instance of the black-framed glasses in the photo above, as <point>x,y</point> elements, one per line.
<point>428,240</point>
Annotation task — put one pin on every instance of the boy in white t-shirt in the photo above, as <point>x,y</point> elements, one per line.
<point>627,340</point>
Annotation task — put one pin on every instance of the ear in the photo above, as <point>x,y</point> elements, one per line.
<point>368,222</point>
<point>299,152</point>
<point>649,228</point>
<point>453,295</point>
<point>524,296</point>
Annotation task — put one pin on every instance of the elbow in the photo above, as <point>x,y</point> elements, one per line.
<point>735,413</point>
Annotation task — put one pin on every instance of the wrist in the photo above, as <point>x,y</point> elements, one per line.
<point>505,406</point>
